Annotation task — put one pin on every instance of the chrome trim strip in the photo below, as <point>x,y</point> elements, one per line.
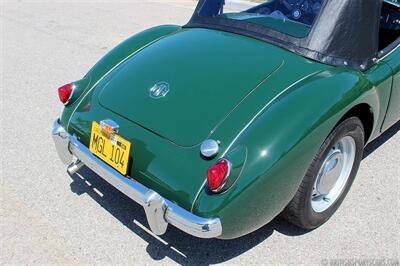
<point>389,53</point>
<point>265,107</point>
<point>198,194</point>
<point>159,211</point>
<point>72,94</point>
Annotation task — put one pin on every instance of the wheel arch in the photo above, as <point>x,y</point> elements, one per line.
<point>364,112</point>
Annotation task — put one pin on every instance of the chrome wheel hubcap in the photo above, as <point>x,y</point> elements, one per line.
<point>333,174</point>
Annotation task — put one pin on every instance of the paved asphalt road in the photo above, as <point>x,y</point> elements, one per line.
<point>48,217</point>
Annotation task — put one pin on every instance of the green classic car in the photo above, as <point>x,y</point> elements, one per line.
<point>250,110</point>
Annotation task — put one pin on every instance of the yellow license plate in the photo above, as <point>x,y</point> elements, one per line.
<point>110,147</point>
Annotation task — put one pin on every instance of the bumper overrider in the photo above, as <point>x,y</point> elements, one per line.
<point>159,211</point>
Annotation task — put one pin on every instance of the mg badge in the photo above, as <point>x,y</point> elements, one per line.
<point>159,90</point>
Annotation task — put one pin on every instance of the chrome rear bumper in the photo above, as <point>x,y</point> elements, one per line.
<point>159,211</point>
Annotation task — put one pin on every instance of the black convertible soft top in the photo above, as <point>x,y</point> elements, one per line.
<point>345,32</point>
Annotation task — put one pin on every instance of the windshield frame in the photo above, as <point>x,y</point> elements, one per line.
<point>248,25</point>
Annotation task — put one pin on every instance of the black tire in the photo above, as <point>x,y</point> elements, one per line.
<point>299,211</point>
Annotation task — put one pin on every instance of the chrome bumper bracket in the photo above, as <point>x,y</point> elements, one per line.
<point>155,208</point>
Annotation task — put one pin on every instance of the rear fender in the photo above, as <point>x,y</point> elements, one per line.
<point>281,142</point>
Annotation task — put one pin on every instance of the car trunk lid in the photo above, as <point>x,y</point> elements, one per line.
<point>182,86</point>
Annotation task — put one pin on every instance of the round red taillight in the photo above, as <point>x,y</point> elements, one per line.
<point>217,174</point>
<point>65,92</point>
